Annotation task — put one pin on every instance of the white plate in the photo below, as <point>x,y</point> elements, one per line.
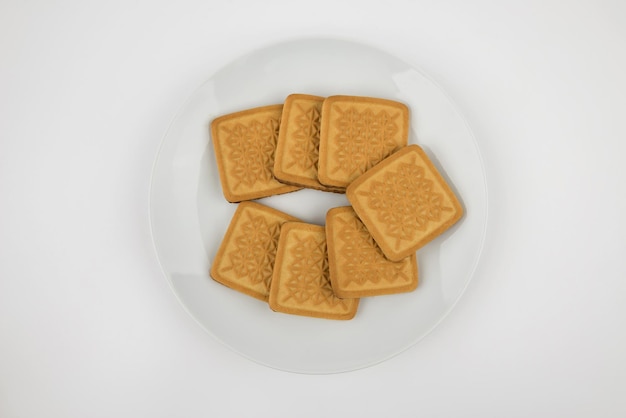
<point>189,214</point>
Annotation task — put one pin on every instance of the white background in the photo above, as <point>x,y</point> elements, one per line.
<point>88,324</point>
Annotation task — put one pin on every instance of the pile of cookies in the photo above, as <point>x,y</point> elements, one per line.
<point>341,144</point>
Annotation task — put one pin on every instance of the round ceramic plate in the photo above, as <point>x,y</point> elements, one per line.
<point>189,214</point>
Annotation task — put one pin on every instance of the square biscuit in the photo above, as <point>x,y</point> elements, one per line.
<point>245,258</point>
<point>300,284</point>
<point>244,144</point>
<point>357,265</point>
<point>298,143</point>
<point>404,202</point>
<point>357,133</point>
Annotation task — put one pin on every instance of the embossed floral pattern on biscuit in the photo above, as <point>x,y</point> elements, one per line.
<point>309,280</point>
<point>362,260</point>
<point>305,150</point>
<point>251,149</point>
<point>405,202</point>
<point>255,250</point>
<point>364,139</point>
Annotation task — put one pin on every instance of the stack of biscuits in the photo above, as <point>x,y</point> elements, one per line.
<point>340,144</point>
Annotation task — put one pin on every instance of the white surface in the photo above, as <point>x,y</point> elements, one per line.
<point>88,325</point>
<point>189,214</point>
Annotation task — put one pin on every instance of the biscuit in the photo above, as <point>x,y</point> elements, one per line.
<point>298,143</point>
<point>244,144</point>
<point>357,265</point>
<point>245,259</point>
<point>300,284</point>
<point>404,202</point>
<point>356,133</point>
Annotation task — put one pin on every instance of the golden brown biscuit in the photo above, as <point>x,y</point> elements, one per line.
<point>300,284</point>
<point>244,144</point>
<point>245,259</point>
<point>357,265</point>
<point>298,143</point>
<point>404,202</point>
<point>357,133</point>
